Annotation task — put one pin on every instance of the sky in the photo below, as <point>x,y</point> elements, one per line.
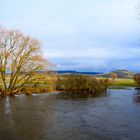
<point>81,35</point>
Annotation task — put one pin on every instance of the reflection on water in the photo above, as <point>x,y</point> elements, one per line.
<point>61,117</point>
<point>76,96</point>
<point>137,96</point>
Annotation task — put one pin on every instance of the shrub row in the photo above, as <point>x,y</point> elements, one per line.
<point>82,84</point>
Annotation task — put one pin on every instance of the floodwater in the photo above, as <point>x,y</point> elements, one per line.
<point>115,116</point>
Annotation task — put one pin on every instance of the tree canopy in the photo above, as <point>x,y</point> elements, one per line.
<point>20,59</point>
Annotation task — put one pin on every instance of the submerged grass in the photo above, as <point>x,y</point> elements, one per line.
<point>42,83</point>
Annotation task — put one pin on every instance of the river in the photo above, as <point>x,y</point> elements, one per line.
<point>115,116</point>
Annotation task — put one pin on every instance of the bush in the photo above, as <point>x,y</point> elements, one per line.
<point>137,79</point>
<point>81,84</point>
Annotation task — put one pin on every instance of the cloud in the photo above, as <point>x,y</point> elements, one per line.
<point>80,35</point>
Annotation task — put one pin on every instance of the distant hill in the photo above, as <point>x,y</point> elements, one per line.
<point>76,72</point>
<point>66,72</point>
<point>124,73</point>
<point>69,72</point>
<point>120,74</point>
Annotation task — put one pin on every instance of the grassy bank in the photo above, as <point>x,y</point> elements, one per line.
<point>119,82</point>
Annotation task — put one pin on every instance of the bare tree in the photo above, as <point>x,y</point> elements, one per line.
<point>114,76</point>
<point>20,59</point>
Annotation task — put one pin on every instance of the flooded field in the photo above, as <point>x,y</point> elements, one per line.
<point>115,116</point>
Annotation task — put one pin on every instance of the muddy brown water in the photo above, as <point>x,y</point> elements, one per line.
<point>55,117</point>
